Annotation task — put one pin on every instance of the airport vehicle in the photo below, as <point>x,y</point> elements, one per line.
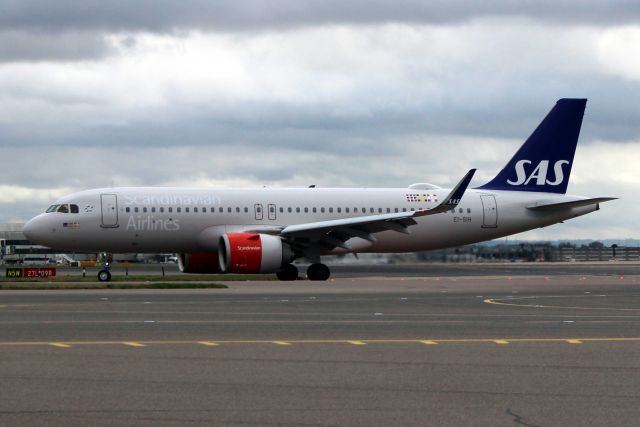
<point>263,230</point>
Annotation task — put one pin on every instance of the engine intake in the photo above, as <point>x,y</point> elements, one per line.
<point>252,253</point>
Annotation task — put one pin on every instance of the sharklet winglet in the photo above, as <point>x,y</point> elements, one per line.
<point>453,198</point>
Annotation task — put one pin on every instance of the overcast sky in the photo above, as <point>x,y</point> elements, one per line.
<point>333,93</point>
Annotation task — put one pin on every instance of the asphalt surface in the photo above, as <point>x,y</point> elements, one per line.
<point>357,270</point>
<point>533,349</point>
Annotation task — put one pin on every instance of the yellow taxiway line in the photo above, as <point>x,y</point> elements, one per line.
<point>359,342</point>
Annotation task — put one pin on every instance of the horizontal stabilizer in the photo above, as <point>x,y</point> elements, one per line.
<point>546,205</point>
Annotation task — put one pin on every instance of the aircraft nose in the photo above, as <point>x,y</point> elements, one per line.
<point>33,229</point>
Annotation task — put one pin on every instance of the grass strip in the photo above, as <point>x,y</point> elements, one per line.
<point>110,285</point>
<point>120,277</point>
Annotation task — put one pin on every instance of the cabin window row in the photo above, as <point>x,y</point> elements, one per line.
<point>170,209</point>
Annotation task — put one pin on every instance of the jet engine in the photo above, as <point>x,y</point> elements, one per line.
<point>251,253</point>
<point>199,263</point>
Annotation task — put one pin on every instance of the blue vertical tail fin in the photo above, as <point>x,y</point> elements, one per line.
<point>543,163</point>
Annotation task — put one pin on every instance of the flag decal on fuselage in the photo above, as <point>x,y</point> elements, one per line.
<point>421,198</point>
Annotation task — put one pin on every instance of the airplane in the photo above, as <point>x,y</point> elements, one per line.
<point>264,230</point>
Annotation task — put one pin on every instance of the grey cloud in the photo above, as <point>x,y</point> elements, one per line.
<point>18,46</point>
<point>611,115</point>
<point>232,15</point>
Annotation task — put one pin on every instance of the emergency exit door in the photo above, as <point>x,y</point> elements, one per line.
<point>258,211</point>
<point>272,212</point>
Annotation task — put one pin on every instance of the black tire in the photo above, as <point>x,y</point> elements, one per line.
<point>289,272</point>
<point>104,275</point>
<point>318,272</point>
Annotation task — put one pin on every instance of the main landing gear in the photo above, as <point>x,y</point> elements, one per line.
<point>288,272</point>
<point>318,272</point>
<point>314,272</point>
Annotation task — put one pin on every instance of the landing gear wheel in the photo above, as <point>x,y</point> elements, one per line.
<point>104,275</point>
<point>318,272</point>
<point>288,272</point>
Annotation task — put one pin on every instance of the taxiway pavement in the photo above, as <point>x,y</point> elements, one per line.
<point>495,350</point>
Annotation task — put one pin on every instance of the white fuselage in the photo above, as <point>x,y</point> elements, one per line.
<point>155,220</point>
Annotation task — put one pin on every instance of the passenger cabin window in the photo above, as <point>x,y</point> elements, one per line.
<point>195,210</point>
<point>128,209</point>
<point>136,209</point>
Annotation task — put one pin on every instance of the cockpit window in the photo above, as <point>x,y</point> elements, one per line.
<point>74,209</point>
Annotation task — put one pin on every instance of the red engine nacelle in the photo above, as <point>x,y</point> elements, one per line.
<point>252,253</point>
<point>199,263</point>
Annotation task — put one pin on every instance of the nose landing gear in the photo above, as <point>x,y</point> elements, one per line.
<point>104,275</point>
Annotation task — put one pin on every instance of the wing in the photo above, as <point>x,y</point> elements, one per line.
<point>335,233</point>
<point>555,205</point>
